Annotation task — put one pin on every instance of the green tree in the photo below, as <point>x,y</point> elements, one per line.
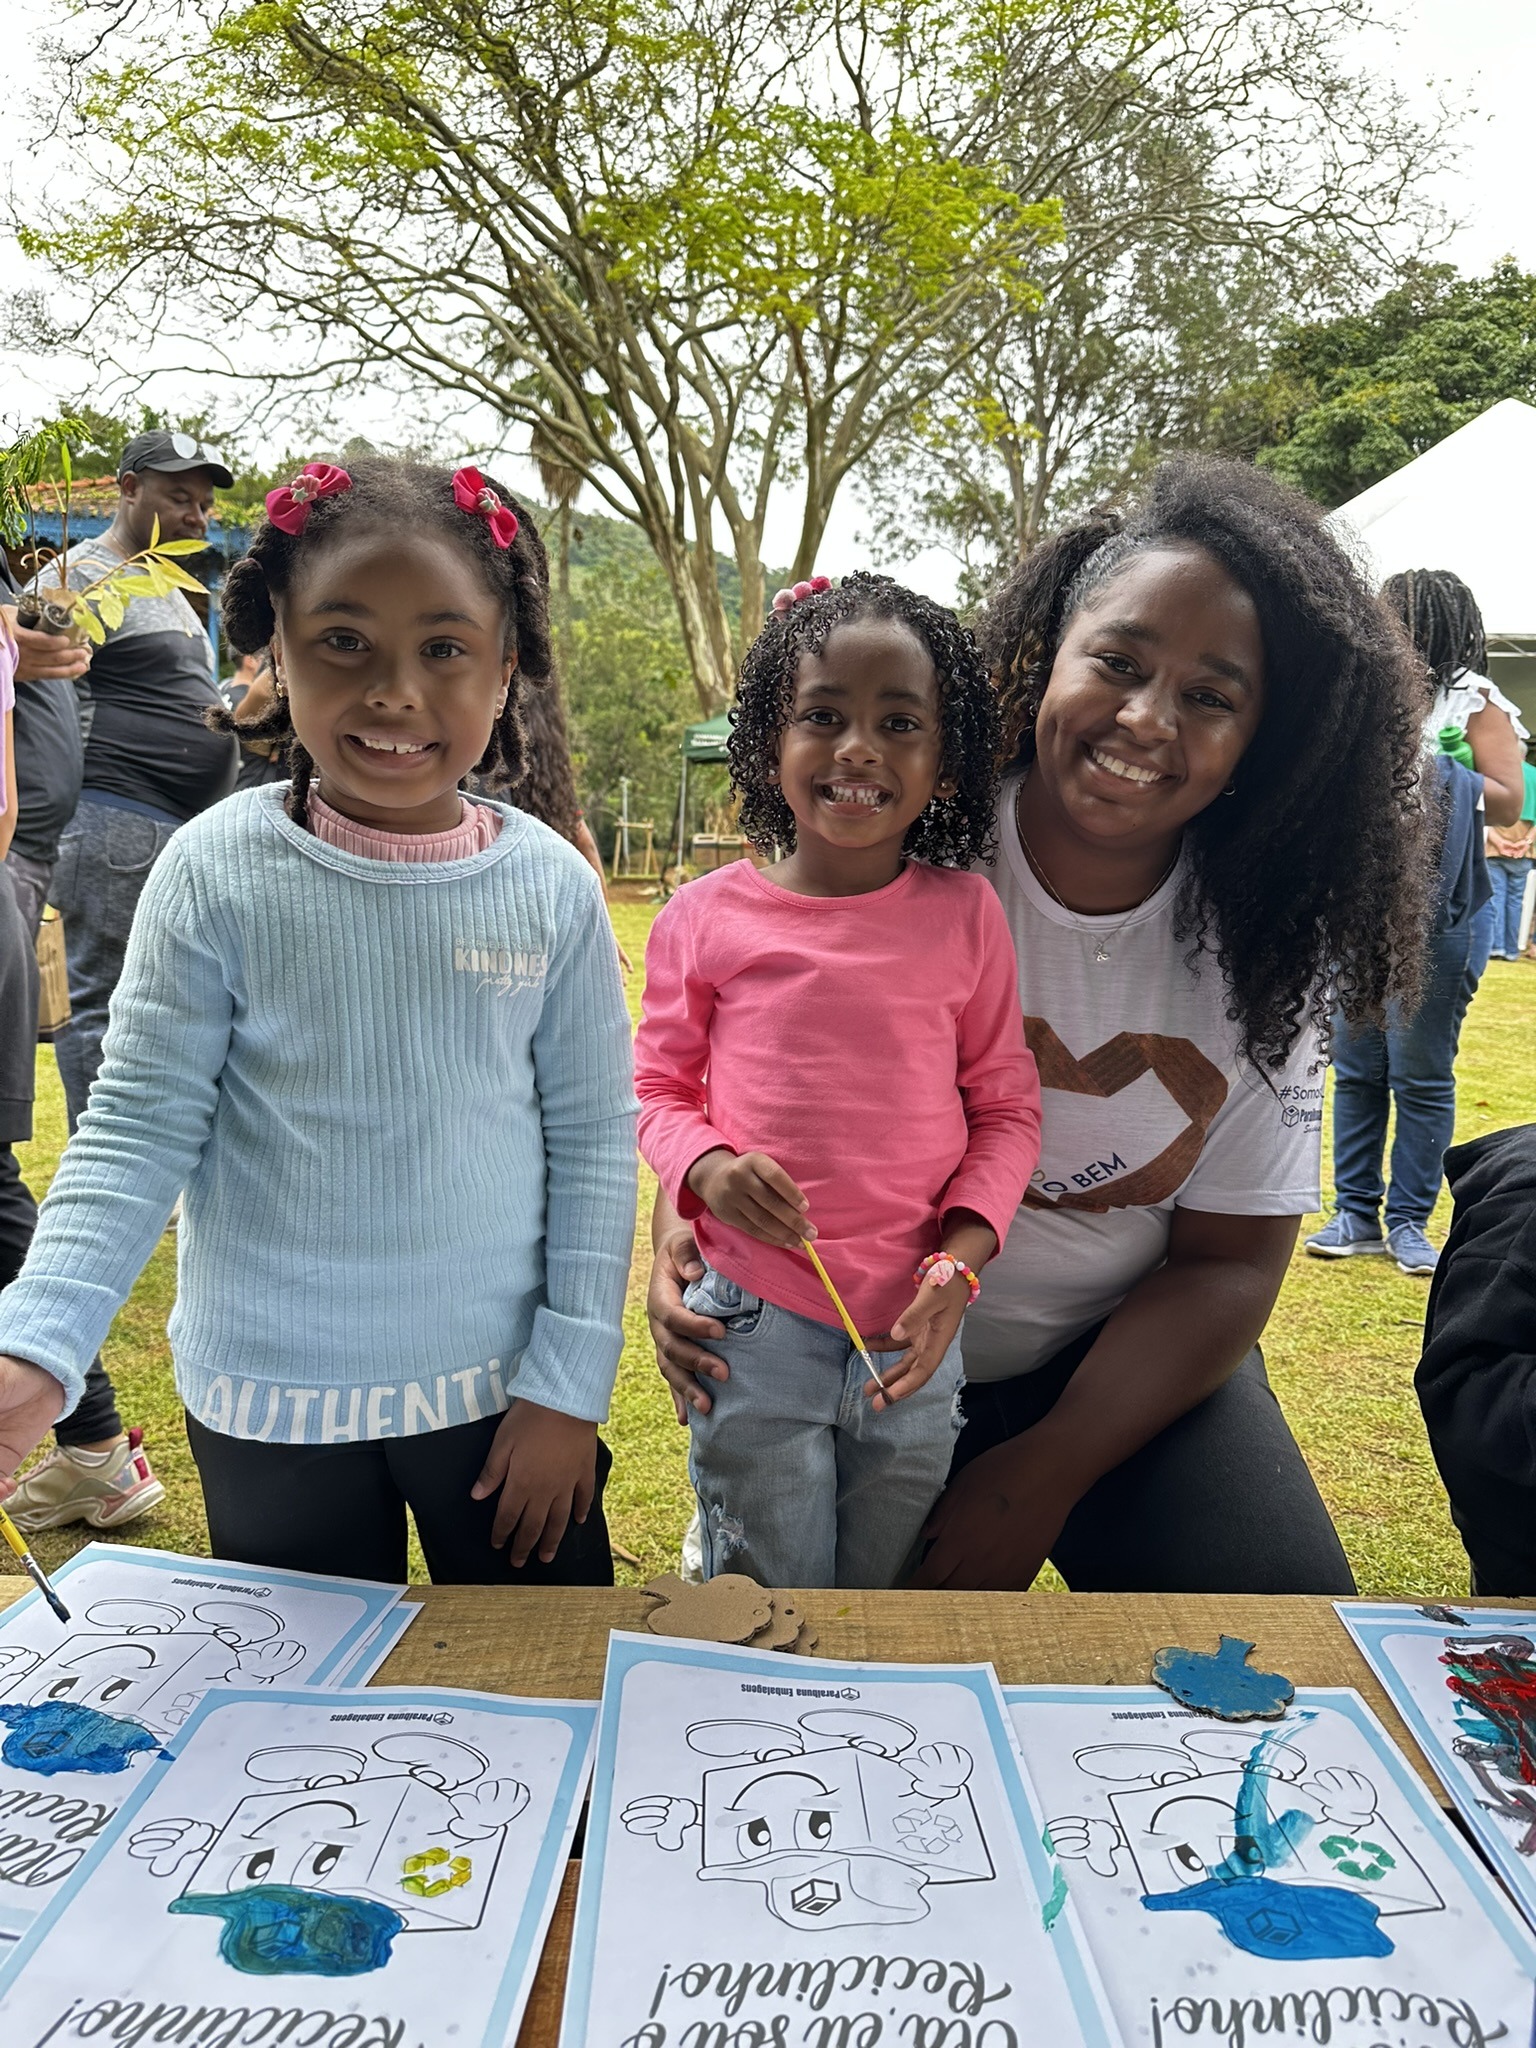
<point>703,251</point>
<point>1344,402</point>
<point>1239,166</point>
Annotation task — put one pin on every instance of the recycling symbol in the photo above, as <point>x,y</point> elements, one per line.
<point>418,1880</point>
<point>1365,1861</point>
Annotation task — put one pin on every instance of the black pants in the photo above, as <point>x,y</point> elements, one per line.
<point>1220,1502</point>
<point>96,1418</point>
<point>341,1508</point>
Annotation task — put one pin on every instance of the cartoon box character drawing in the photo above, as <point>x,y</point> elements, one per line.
<point>319,1875</point>
<point>127,1677</point>
<point>1287,1863</point>
<point>839,1819</point>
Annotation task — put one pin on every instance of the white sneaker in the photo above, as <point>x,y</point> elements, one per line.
<point>105,1488</point>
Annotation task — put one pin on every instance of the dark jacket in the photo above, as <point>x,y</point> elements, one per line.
<point>1477,1377</point>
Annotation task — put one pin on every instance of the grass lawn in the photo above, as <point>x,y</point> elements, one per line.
<point>1341,1349</point>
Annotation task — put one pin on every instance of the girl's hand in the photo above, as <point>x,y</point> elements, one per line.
<point>30,1400</point>
<point>753,1193</point>
<point>676,1331</point>
<point>927,1329</point>
<point>546,1466</point>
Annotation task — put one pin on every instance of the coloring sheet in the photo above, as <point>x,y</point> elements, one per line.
<point>1468,1694</point>
<point>789,1852</point>
<point>86,1707</point>
<point>348,1870</point>
<point>377,1645</point>
<point>1241,1881</point>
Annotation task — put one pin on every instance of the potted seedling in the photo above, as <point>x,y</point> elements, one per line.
<point>36,467</point>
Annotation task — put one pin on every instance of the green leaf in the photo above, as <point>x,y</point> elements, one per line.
<point>130,583</point>
<point>111,606</point>
<point>92,627</point>
<point>182,547</point>
<point>177,579</point>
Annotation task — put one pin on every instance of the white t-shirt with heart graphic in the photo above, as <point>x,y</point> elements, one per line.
<point>1146,1106</point>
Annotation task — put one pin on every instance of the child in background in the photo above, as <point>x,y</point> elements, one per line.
<point>377,1032</point>
<point>832,1048</point>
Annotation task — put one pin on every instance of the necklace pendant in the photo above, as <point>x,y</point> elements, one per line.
<point>1101,952</point>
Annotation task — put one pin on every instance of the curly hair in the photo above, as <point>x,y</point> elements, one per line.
<point>1312,887</point>
<point>546,787</point>
<point>392,494</point>
<point>1441,617</point>
<point>952,831</point>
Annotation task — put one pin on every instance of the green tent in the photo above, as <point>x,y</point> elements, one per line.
<point>706,741</point>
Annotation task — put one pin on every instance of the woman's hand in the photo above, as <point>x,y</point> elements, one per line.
<point>998,1518</point>
<point>546,1466</point>
<point>676,1332</point>
<point>30,1401</point>
<point>752,1192</point>
<point>927,1329</point>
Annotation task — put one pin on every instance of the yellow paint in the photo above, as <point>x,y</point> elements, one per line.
<point>420,1886</point>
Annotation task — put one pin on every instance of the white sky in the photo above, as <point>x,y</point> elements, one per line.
<point>1481,54</point>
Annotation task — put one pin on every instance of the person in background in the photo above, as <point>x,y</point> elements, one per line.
<point>1477,1377</point>
<point>1410,1064</point>
<point>250,699</point>
<point>1510,849</point>
<point>151,762</point>
<point>98,1472</point>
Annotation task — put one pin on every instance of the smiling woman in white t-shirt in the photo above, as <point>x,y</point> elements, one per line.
<point>1211,824</point>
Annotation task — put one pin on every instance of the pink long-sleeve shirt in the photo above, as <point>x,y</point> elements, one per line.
<point>873,1045</point>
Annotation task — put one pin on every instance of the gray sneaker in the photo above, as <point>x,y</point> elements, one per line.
<point>1346,1237</point>
<point>1412,1249</point>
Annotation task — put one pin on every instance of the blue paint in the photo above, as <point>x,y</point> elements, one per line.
<point>1303,1923</point>
<point>1223,1685</point>
<point>281,1930</point>
<point>60,1736</point>
<point>1263,1843</point>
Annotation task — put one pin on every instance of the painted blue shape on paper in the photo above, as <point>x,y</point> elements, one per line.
<point>1288,1922</point>
<point>1224,1684</point>
<point>282,1930</point>
<point>57,1735</point>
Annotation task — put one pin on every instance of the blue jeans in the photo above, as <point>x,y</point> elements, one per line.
<point>105,855</point>
<point>800,1481</point>
<point>1508,879</point>
<point>1410,1065</point>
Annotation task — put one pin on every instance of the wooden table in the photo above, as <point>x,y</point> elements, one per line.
<point>552,1643</point>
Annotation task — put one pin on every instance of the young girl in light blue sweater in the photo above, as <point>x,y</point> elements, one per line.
<point>376,1032</point>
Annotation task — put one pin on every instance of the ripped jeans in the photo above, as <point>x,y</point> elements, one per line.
<point>800,1481</point>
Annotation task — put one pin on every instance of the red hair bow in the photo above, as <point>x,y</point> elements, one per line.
<point>289,508</point>
<point>471,493</point>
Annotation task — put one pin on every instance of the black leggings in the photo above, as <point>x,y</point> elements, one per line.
<point>341,1508</point>
<point>1220,1502</point>
<point>96,1418</point>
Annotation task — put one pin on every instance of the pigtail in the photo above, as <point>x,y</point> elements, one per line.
<point>1022,624</point>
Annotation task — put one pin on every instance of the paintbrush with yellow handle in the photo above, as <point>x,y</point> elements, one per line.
<point>847,1320</point>
<point>30,1565</point>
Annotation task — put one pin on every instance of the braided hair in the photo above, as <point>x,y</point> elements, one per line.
<point>1313,886</point>
<point>392,494</point>
<point>952,831</point>
<point>1443,622</point>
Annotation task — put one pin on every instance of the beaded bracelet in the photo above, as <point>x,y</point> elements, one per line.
<point>939,1268</point>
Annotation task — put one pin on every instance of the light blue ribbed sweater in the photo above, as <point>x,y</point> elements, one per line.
<point>398,1096</point>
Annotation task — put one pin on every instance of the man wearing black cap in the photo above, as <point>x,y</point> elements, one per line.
<point>150,764</point>
<point>150,761</point>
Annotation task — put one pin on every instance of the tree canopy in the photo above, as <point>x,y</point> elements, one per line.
<point>1342,403</point>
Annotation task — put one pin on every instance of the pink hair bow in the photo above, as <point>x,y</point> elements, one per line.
<point>785,600</point>
<point>471,493</point>
<point>289,508</point>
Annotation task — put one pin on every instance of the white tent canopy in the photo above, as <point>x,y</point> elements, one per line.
<point>1468,504</point>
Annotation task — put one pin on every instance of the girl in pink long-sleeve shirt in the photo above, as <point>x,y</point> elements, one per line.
<point>832,1048</point>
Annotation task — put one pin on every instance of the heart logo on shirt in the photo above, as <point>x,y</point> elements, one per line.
<point>1191,1081</point>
